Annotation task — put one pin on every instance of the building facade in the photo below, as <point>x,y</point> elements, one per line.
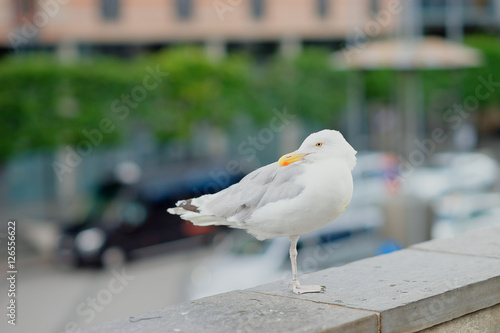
<point>132,26</point>
<point>219,24</point>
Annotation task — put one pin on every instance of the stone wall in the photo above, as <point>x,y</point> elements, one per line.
<point>438,286</point>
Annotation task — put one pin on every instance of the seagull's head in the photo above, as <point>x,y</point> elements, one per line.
<point>321,145</point>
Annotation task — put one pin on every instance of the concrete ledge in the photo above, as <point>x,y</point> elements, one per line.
<point>484,321</point>
<point>436,285</point>
<point>244,311</point>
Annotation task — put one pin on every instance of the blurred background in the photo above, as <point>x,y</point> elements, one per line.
<point>112,110</point>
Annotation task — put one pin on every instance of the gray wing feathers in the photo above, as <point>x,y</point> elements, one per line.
<point>259,188</point>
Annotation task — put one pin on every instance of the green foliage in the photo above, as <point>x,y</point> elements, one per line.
<point>490,48</point>
<point>44,104</point>
<point>196,90</point>
<point>379,85</point>
<point>26,95</point>
<point>307,85</point>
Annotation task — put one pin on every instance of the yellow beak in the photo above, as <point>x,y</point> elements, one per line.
<point>288,159</point>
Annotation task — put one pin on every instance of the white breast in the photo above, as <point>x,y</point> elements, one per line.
<point>327,192</point>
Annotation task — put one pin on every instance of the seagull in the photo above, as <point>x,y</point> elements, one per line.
<point>300,193</point>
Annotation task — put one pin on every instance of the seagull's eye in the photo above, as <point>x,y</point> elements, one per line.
<point>319,144</point>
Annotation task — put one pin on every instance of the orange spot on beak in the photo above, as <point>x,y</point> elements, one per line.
<point>288,159</point>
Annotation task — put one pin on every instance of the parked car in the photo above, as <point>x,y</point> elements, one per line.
<point>459,212</point>
<point>448,172</point>
<point>126,217</point>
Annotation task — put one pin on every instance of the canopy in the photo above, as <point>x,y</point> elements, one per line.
<point>422,53</point>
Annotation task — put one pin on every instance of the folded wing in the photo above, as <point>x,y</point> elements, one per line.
<point>235,205</point>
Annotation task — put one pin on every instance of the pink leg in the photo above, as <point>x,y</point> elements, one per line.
<point>296,287</point>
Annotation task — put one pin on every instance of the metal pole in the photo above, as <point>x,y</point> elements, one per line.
<point>355,104</point>
<point>455,20</point>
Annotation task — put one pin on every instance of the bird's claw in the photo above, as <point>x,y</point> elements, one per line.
<point>298,289</point>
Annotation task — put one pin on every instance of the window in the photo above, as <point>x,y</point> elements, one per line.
<point>24,7</point>
<point>322,6</point>
<point>434,4</point>
<point>481,6</point>
<point>374,7</point>
<point>474,12</point>
<point>184,9</point>
<point>110,9</point>
<point>257,8</point>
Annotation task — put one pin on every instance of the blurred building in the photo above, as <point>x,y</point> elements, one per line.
<point>454,17</point>
<point>127,27</point>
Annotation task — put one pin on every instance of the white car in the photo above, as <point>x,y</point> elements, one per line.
<point>447,172</point>
<point>459,212</point>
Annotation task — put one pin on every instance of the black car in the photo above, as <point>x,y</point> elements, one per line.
<point>125,218</point>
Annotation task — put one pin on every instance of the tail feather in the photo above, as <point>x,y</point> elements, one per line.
<point>187,205</point>
<point>190,212</point>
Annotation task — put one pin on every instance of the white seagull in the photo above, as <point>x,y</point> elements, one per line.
<point>302,192</point>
